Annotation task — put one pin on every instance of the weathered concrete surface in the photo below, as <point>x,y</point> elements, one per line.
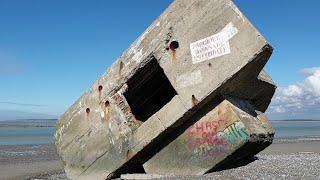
<point>143,176</point>
<point>184,61</point>
<point>209,143</point>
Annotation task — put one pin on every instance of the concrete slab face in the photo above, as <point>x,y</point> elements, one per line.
<point>211,139</point>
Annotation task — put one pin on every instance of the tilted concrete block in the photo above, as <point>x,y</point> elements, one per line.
<point>230,132</point>
<point>196,52</point>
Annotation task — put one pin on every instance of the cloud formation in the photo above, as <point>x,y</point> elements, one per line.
<point>300,100</point>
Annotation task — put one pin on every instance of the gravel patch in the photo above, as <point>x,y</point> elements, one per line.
<point>303,165</point>
<point>61,175</point>
<point>285,166</point>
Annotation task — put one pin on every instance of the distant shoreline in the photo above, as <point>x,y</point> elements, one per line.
<point>19,120</point>
<point>296,120</point>
<point>28,123</point>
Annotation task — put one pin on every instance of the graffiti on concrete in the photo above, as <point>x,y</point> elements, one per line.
<point>205,139</point>
<point>205,132</point>
<point>235,134</point>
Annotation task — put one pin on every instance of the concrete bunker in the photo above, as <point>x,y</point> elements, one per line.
<point>148,91</point>
<point>143,109</point>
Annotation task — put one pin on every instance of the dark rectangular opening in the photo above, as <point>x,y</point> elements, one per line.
<point>148,90</point>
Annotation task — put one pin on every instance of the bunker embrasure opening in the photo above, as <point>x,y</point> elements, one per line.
<point>148,90</point>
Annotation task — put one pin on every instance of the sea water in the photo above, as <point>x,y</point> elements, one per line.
<point>41,131</point>
<point>26,132</point>
<point>296,128</point>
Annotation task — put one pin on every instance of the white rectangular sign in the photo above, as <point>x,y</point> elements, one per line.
<point>213,46</point>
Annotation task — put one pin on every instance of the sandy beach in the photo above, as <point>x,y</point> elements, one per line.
<point>23,161</point>
<point>286,158</point>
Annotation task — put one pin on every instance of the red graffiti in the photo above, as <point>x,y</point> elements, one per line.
<point>205,132</point>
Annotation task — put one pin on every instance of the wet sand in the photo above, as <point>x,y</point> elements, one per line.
<point>23,161</point>
<point>286,158</point>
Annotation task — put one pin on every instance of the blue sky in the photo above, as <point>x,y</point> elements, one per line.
<point>52,51</point>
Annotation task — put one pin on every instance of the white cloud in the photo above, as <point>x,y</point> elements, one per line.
<point>312,83</point>
<point>292,90</point>
<point>299,100</point>
<point>309,71</point>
